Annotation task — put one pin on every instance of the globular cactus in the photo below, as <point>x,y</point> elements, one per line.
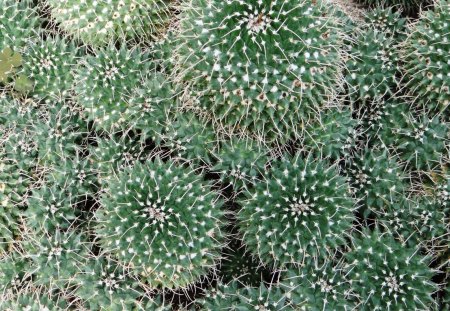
<point>240,162</point>
<point>259,67</point>
<point>106,86</point>
<point>301,210</point>
<point>49,65</point>
<point>34,302</point>
<point>233,296</point>
<point>330,135</point>
<point>191,139</point>
<point>377,180</point>
<point>388,21</point>
<point>387,275</point>
<point>56,257</point>
<point>418,222</point>
<point>373,66</point>
<point>103,21</point>
<point>102,284</point>
<point>10,63</point>
<point>406,6</point>
<point>425,56</point>
<point>162,221</point>
<point>13,276</point>
<point>318,287</point>
<point>19,22</point>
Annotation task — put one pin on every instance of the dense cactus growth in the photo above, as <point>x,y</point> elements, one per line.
<point>248,67</point>
<point>101,21</point>
<point>299,211</point>
<point>224,155</point>
<point>162,221</point>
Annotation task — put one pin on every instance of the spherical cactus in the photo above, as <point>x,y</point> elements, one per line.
<point>191,139</point>
<point>388,21</point>
<point>13,276</point>
<point>372,66</point>
<point>386,275</point>
<point>56,258</point>
<point>318,287</point>
<point>300,211</point>
<point>331,135</point>
<point>408,6</point>
<point>425,55</point>
<point>240,162</point>
<point>49,65</point>
<point>106,85</point>
<point>417,222</point>
<point>112,154</point>
<point>52,207</point>
<point>18,24</point>
<point>259,66</point>
<point>232,296</point>
<point>104,285</point>
<point>162,221</point>
<point>103,21</point>
<point>34,302</point>
<point>377,179</point>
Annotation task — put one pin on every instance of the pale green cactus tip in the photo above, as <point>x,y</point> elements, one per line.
<point>243,83</point>
<point>145,214</point>
<point>100,22</point>
<point>10,63</point>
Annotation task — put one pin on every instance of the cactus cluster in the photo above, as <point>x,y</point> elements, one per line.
<point>224,155</point>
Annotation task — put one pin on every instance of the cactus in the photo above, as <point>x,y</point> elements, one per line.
<point>407,6</point>
<point>162,221</point>
<point>106,85</point>
<point>10,62</point>
<point>300,211</point>
<point>231,297</point>
<point>373,66</point>
<point>331,135</point>
<point>417,222</point>
<point>18,24</point>
<point>387,275</point>
<point>56,258</point>
<point>318,287</point>
<point>34,302</point>
<point>425,56</point>
<point>100,22</point>
<point>49,64</point>
<point>102,284</point>
<point>377,180</point>
<point>240,162</point>
<point>388,21</point>
<point>249,68</point>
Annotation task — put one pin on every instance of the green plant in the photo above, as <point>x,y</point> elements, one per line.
<point>387,275</point>
<point>425,58</point>
<point>388,21</point>
<point>34,302</point>
<point>408,6</point>
<point>301,210</point>
<point>100,22</point>
<point>259,67</point>
<point>10,62</point>
<point>232,296</point>
<point>163,221</point>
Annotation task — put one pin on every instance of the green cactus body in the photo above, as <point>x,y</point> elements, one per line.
<point>232,296</point>
<point>34,302</point>
<point>100,22</point>
<point>240,162</point>
<point>300,211</point>
<point>49,64</point>
<point>260,66</point>
<point>18,24</point>
<point>331,135</point>
<point>372,66</point>
<point>56,258</point>
<point>387,275</point>
<point>425,55</point>
<point>162,221</point>
<point>104,285</point>
<point>388,21</point>
<point>418,222</point>
<point>377,180</point>
<point>318,287</point>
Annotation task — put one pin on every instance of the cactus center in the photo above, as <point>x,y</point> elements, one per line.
<point>392,283</point>
<point>257,22</point>
<point>298,207</point>
<point>46,63</point>
<point>156,213</point>
<point>110,73</point>
<point>324,286</point>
